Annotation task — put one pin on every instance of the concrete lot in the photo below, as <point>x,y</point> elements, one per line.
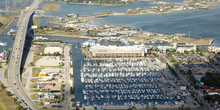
<point>48,61</point>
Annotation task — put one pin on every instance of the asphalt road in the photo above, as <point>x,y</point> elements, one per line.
<point>14,78</point>
<point>186,82</point>
<point>67,78</point>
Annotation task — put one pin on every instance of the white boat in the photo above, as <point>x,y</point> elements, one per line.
<point>11,32</point>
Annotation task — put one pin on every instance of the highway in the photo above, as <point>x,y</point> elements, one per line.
<point>14,78</point>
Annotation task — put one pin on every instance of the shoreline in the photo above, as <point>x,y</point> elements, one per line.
<point>101,38</point>
<point>143,106</point>
<point>4,28</point>
<point>90,3</point>
<point>152,11</point>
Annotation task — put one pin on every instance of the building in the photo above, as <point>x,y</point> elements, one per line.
<point>89,43</point>
<point>40,38</point>
<point>182,47</point>
<point>117,51</point>
<point>48,96</point>
<point>214,49</point>
<point>181,86</point>
<point>164,48</point>
<point>1,55</point>
<point>213,91</point>
<point>46,78</point>
<point>42,74</point>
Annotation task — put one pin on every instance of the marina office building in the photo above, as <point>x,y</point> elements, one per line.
<point>117,51</point>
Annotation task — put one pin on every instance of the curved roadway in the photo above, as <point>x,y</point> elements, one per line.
<point>14,79</point>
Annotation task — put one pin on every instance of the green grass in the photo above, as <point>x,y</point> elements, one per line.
<point>35,79</point>
<point>38,103</point>
<point>33,86</point>
<point>6,102</point>
<point>34,97</point>
<point>6,73</point>
<point>36,21</point>
<point>35,72</point>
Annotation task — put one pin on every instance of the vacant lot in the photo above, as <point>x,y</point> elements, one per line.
<point>36,21</point>
<point>51,7</point>
<point>35,72</point>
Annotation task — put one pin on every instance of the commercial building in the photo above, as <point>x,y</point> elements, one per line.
<point>89,43</point>
<point>117,51</point>
<point>42,74</point>
<point>164,48</point>
<point>182,47</point>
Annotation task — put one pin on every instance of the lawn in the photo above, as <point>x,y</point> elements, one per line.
<point>36,57</point>
<point>51,7</point>
<point>35,72</point>
<point>36,21</point>
<point>38,103</point>
<point>6,102</point>
<point>6,73</point>
<point>35,79</point>
<point>34,97</point>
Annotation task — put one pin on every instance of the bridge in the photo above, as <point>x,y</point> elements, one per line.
<point>14,78</point>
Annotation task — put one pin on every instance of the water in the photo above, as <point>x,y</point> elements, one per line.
<point>89,10</point>
<point>201,23</point>
<point>45,22</point>
<point>6,38</point>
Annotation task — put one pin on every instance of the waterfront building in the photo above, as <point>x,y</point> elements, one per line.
<point>182,47</point>
<point>89,43</point>
<point>164,48</point>
<point>117,51</point>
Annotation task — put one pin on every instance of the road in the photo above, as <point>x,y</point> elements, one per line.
<point>186,82</point>
<point>14,78</point>
<point>67,78</point>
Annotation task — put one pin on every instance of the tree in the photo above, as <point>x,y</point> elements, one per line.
<point>15,100</point>
<point>1,24</point>
<point>19,107</point>
<point>8,93</point>
<point>2,85</point>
